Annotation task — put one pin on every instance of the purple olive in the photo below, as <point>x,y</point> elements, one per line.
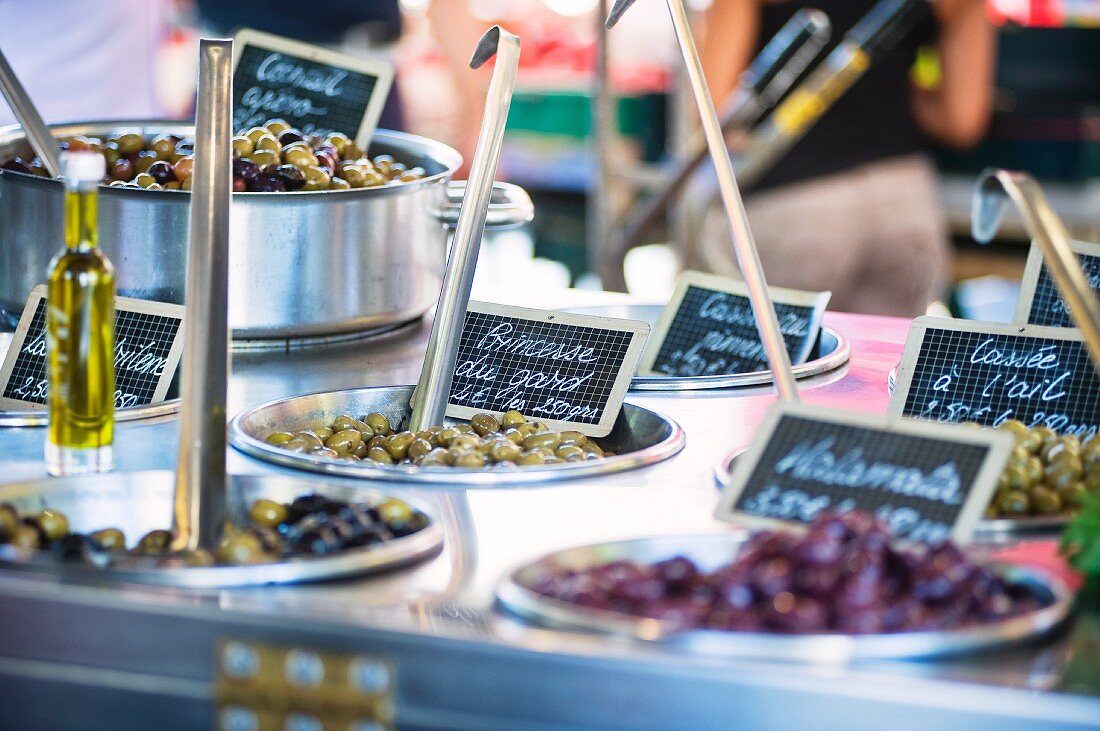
<point>162,172</point>
<point>270,183</point>
<point>293,178</point>
<point>288,136</point>
<point>245,169</point>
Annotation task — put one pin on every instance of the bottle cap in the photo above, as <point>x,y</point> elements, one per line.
<point>82,167</point>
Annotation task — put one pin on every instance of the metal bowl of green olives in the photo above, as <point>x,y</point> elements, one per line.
<point>280,530</point>
<point>303,264</point>
<point>314,433</point>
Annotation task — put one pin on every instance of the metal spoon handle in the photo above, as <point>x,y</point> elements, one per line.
<point>434,387</point>
<point>995,188</point>
<point>199,505</point>
<point>38,134</point>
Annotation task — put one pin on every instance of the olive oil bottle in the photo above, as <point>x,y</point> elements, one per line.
<point>80,317</point>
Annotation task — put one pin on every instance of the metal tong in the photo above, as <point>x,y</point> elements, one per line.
<point>994,189</point>
<point>36,130</point>
<point>744,246</point>
<point>429,402</point>
<point>199,503</point>
<point>774,70</point>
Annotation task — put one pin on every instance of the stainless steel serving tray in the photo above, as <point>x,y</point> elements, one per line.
<point>709,551</point>
<point>639,438</point>
<point>988,531</point>
<point>138,502</point>
<point>41,417</point>
<point>831,351</point>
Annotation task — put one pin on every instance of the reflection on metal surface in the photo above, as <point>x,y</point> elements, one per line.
<point>639,438</point>
<point>709,552</point>
<point>831,351</point>
<point>138,502</point>
<point>41,417</point>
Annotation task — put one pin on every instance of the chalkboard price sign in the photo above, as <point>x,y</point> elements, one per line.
<point>962,370</point>
<point>928,482</point>
<point>567,371</point>
<point>708,328</point>
<point>148,342</point>
<point>314,89</point>
<point>1040,302</point>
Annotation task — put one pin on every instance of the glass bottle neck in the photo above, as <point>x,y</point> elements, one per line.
<point>81,231</point>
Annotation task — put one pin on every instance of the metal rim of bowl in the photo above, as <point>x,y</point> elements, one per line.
<point>391,554</point>
<point>987,529</point>
<point>133,413</point>
<point>823,364</point>
<point>514,596</point>
<point>446,156</point>
<point>444,477</point>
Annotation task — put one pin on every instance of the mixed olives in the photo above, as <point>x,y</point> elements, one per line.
<point>486,441</point>
<point>1046,474</point>
<point>274,157</point>
<point>310,525</point>
<point>842,575</point>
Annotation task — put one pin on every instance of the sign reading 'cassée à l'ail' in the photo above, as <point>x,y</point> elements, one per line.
<point>927,482</point>
<point>708,328</point>
<point>962,370</point>
<point>567,371</point>
<point>316,90</point>
<point>1040,302</point>
<point>148,343</point>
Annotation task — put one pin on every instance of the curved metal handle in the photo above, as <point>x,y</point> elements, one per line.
<point>995,188</point>
<point>509,206</point>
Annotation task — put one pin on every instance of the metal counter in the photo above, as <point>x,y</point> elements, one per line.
<point>85,656</point>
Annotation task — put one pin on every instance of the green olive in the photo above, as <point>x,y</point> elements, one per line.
<point>380,455</point>
<point>9,521</point>
<point>154,543</point>
<point>419,448</point>
<point>242,146</point>
<point>512,418</point>
<point>379,423</point>
<point>398,445</point>
<point>484,424</point>
<point>268,143</point>
<point>26,536</point>
<point>573,437</point>
<point>465,442</point>
<point>130,143</point>
<point>199,558</point>
<point>1014,503</point>
<point>470,460</point>
<point>569,452</point>
<point>345,441</point>
<point>1033,469</point>
<point>531,458</point>
<point>267,513</point>
<point>317,178</point>
<point>111,540</point>
<point>505,451</point>
<point>447,434</point>
<point>304,442</point>
<point>263,158</point>
<point>465,429</point>
<point>1016,477</point>
<point>242,547</point>
<point>549,440</point>
<point>338,183</point>
<point>277,126</point>
<point>1063,471</point>
<point>54,525</point>
<point>1045,500</point>
<point>256,133</point>
<point>1073,494</point>
<point>438,457</point>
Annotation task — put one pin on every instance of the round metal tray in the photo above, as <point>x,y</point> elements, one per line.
<point>831,351</point>
<point>41,417</point>
<point>639,438</point>
<point>711,551</point>
<point>986,531</point>
<point>138,502</point>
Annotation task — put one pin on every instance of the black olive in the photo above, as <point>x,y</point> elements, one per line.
<point>293,177</point>
<point>245,169</point>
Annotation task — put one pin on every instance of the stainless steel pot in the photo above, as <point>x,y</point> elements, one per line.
<point>302,265</point>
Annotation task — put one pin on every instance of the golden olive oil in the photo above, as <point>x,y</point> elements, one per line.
<point>80,317</point>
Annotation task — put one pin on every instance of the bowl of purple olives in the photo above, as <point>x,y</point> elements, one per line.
<point>841,590</point>
<point>327,238</point>
<point>277,530</point>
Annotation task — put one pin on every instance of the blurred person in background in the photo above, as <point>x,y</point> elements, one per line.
<point>854,206</point>
<point>86,61</point>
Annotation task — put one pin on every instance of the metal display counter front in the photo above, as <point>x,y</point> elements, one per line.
<point>88,656</point>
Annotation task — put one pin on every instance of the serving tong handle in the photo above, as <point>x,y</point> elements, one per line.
<point>994,189</point>
<point>429,403</point>
<point>38,134</point>
<point>743,245</point>
<point>200,496</point>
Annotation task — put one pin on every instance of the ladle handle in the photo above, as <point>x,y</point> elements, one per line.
<point>995,188</point>
<point>38,134</point>
<point>199,506</point>
<point>434,387</point>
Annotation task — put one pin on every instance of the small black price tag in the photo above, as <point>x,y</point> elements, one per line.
<point>928,482</point>
<point>148,343</point>
<point>962,370</point>
<point>1040,302</point>
<point>708,328</point>
<point>567,371</point>
<point>314,89</point>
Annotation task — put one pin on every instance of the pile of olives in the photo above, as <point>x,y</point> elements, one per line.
<point>1046,474</point>
<point>842,575</point>
<point>310,525</point>
<point>485,442</point>
<point>272,158</point>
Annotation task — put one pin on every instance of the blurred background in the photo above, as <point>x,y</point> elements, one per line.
<point>135,59</point>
